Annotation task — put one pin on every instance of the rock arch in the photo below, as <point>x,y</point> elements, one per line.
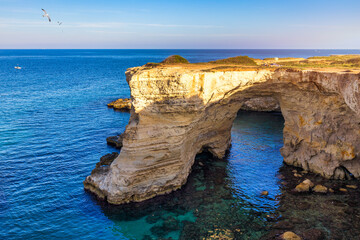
<point>179,111</point>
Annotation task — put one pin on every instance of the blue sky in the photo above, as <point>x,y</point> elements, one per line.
<point>180,24</point>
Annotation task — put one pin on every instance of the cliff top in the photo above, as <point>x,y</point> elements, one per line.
<point>332,63</point>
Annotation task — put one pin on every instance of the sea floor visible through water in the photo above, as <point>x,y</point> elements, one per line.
<point>222,198</point>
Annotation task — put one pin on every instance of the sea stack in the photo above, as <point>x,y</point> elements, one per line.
<point>179,110</point>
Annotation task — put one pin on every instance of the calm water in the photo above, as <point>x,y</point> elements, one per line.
<point>53,126</point>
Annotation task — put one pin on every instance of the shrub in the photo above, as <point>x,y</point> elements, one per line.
<point>175,59</point>
<point>239,60</point>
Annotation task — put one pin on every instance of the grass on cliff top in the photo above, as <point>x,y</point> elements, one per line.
<point>175,59</point>
<point>333,61</point>
<point>239,60</point>
<point>347,62</point>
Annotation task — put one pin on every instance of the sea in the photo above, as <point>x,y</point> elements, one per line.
<point>54,121</point>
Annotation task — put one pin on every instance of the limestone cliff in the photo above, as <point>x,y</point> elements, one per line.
<point>261,104</point>
<point>179,111</point>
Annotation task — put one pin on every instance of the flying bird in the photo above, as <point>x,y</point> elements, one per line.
<point>46,15</point>
<point>59,23</point>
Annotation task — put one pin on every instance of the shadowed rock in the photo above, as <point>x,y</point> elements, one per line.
<point>115,141</point>
<point>105,161</point>
<point>261,104</point>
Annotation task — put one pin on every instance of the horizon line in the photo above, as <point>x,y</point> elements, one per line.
<point>180,49</point>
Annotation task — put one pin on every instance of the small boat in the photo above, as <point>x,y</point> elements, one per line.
<point>17,67</point>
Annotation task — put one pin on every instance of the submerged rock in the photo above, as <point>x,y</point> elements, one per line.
<point>290,236</point>
<point>302,187</point>
<point>158,231</point>
<point>313,234</point>
<point>220,234</point>
<point>309,182</point>
<point>343,190</point>
<point>320,189</point>
<point>153,218</point>
<point>351,186</point>
<point>171,224</point>
<point>285,225</point>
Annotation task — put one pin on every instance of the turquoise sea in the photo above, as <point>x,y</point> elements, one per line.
<point>53,125</point>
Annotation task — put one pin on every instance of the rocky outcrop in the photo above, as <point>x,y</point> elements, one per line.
<point>115,141</point>
<point>123,104</point>
<point>179,111</point>
<point>290,236</point>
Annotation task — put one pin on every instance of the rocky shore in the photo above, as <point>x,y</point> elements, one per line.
<point>308,199</point>
<point>115,141</point>
<point>123,104</point>
<point>181,110</point>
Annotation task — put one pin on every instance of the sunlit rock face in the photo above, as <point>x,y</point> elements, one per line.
<point>178,112</point>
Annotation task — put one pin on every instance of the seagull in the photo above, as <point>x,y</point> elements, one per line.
<point>46,15</point>
<point>59,23</point>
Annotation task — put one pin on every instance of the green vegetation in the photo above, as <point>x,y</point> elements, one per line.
<point>152,64</point>
<point>346,62</point>
<point>175,59</point>
<point>333,61</point>
<point>239,60</point>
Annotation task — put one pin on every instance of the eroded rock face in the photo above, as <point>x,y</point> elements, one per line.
<point>178,112</point>
<point>261,104</point>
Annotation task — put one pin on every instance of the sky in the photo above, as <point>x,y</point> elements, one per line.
<point>185,24</point>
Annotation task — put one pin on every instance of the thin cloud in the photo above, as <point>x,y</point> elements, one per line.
<point>121,24</point>
<point>110,32</point>
<point>104,25</point>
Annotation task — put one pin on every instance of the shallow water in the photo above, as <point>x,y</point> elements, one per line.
<point>53,126</point>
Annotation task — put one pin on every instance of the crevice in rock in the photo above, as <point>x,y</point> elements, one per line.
<point>342,173</point>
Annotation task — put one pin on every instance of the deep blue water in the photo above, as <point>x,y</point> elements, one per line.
<point>53,126</point>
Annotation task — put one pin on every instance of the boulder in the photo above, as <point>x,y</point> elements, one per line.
<point>290,236</point>
<point>351,186</point>
<point>308,181</point>
<point>115,141</point>
<point>320,189</point>
<point>265,193</point>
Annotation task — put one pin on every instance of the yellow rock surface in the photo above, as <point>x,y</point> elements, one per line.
<point>181,110</point>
